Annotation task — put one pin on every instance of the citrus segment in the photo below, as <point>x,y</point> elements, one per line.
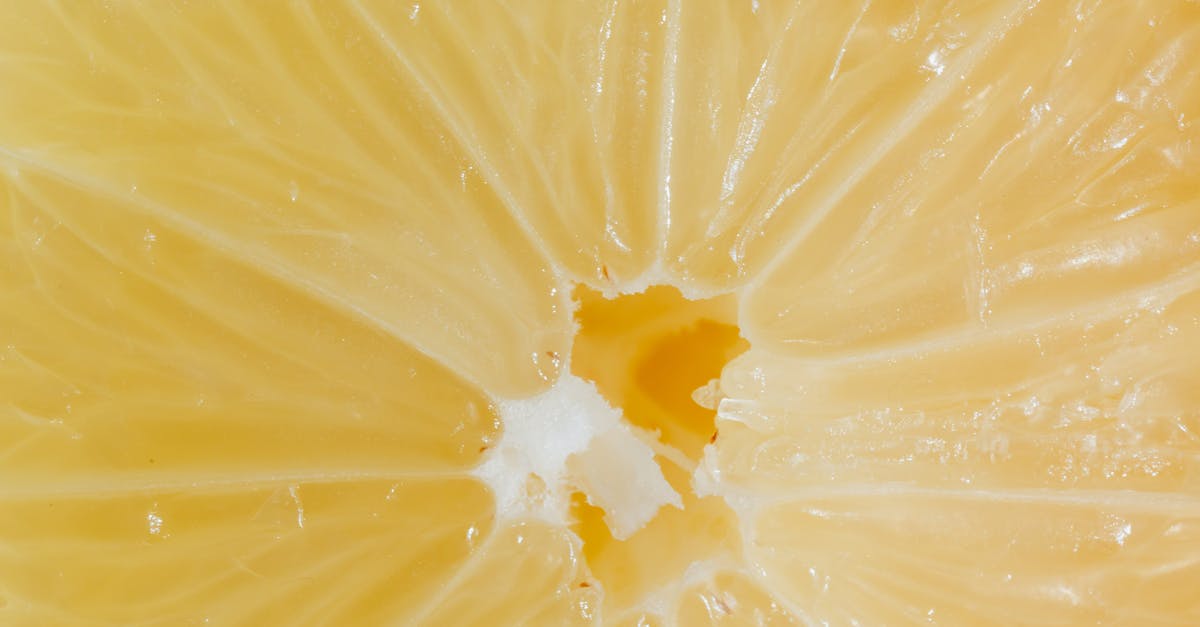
<point>1047,164</point>
<point>321,164</point>
<point>972,556</point>
<point>268,551</point>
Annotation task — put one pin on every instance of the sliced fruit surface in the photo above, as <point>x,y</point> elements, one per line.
<point>600,313</point>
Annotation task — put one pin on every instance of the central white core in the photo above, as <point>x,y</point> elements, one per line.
<point>569,439</point>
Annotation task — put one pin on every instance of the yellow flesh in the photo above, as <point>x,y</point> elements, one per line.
<point>266,268</point>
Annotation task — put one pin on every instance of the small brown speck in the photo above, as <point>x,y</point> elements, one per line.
<point>713,439</point>
<point>484,448</point>
<point>604,272</point>
<point>584,584</point>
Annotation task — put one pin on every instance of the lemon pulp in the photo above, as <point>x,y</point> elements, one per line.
<point>272,276</point>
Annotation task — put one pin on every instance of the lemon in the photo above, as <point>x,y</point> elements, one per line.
<point>619,313</point>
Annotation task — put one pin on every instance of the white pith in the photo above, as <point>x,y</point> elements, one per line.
<point>571,440</point>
